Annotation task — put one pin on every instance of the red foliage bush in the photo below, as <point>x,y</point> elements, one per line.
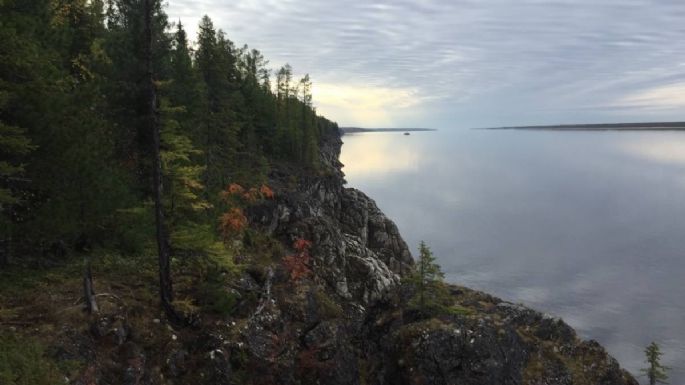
<point>298,265</point>
<point>237,197</point>
<point>267,193</point>
<point>233,222</point>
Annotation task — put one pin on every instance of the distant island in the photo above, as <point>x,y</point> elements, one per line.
<point>655,126</point>
<point>352,130</point>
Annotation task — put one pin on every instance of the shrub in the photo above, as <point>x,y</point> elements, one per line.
<point>297,265</point>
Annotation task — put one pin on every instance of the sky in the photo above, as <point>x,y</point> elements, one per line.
<point>468,63</point>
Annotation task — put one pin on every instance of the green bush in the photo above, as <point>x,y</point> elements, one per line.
<point>23,362</point>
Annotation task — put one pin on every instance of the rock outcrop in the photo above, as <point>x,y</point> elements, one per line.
<point>357,249</point>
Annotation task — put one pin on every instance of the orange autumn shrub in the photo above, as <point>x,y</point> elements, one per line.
<point>251,195</point>
<point>297,265</point>
<point>266,192</point>
<point>233,222</point>
<point>235,188</point>
<point>236,198</point>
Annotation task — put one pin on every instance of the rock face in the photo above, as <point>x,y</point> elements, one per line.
<point>357,249</point>
<point>359,257</point>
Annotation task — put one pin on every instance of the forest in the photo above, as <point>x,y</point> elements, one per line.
<point>78,146</point>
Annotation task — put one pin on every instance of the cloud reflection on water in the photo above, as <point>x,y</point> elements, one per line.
<point>387,153</point>
<point>666,150</point>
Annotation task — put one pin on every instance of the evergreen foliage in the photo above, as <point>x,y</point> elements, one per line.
<point>427,280</point>
<point>656,373</point>
<point>76,150</point>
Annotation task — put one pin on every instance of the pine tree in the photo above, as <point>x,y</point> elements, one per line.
<point>216,63</point>
<point>656,373</point>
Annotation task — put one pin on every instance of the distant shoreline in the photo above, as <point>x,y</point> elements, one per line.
<point>354,130</point>
<point>654,126</point>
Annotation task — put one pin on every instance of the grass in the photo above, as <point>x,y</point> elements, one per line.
<point>47,305</point>
<point>458,310</point>
<point>326,307</point>
<point>23,361</point>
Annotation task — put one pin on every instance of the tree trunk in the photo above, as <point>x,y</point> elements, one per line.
<point>422,283</point>
<point>4,254</point>
<point>6,246</point>
<point>165,284</point>
<point>88,290</point>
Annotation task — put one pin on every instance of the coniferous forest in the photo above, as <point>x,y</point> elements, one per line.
<point>76,141</point>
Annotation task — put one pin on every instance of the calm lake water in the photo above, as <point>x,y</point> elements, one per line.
<point>587,226</point>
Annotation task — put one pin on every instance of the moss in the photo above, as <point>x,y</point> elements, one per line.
<point>113,265</point>
<point>363,371</point>
<point>410,331</point>
<point>585,367</point>
<point>326,307</point>
<point>458,310</point>
<point>534,371</point>
<point>23,362</point>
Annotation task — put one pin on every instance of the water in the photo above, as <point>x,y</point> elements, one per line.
<point>588,226</point>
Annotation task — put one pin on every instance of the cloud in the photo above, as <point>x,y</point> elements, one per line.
<point>665,97</point>
<point>363,105</point>
<point>527,61</point>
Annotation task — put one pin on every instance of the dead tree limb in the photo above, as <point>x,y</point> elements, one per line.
<point>88,289</point>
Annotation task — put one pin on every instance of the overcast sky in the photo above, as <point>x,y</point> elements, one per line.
<point>469,63</point>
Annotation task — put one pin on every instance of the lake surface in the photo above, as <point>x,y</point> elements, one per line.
<point>587,226</point>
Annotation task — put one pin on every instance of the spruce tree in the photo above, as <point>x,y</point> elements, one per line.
<point>427,280</point>
<point>656,373</point>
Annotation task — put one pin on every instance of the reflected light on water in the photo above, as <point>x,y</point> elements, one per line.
<point>386,153</point>
<point>667,151</point>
